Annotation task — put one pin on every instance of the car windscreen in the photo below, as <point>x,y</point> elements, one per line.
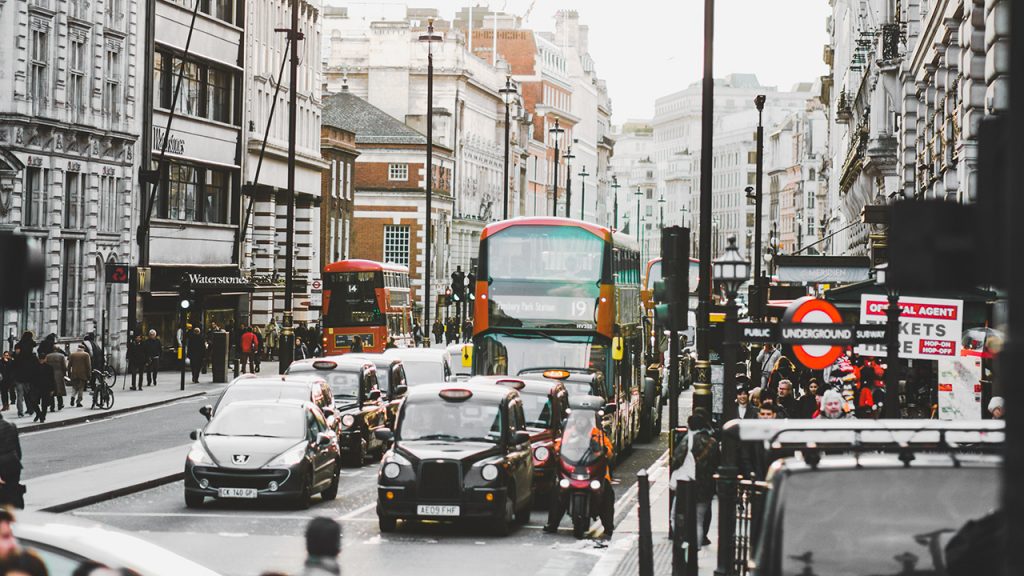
<point>238,393</point>
<point>890,513</point>
<point>450,421</point>
<point>423,372</point>
<point>268,420</point>
<point>344,385</point>
<point>537,408</point>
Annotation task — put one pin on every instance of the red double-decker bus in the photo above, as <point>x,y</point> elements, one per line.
<point>555,295</point>
<point>368,299</point>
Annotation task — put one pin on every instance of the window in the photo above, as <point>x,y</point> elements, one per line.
<point>195,194</point>
<point>206,90</point>
<point>109,187</point>
<point>37,188</point>
<point>114,14</point>
<point>188,94</point>
<point>396,244</point>
<point>39,58</point>
<point>35,302</point>
<point>218,95</point>
<point>112,81</point>
<point>398,172</point>
<point>77,65</point>
<point>161,95</point>
<point>71,287</point>
<point>74,200</point>
<point>220,9</point>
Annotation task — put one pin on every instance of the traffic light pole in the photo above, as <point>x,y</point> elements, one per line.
<point>702,381</point>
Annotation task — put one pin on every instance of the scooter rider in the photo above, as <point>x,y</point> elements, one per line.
<point>599,444</point>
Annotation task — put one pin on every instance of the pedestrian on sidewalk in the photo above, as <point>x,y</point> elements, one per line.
<point>301,352</point>
<point>152,350</point>
<point>438,330</point>
<point>323,545</point>
<point>8,543</point>
<point>467,330</point>
<point>196,352</point>
<point>699,467</point>
<point>832,406</point>
<point>417,333</point>
<point>809,404</point>
<point>11,492</point>
<point>272,333</point>
<point>261,341</point>
<point>23,372</point>
<point>42,389</point>
<point>248,345</point>
<point>136,362</point>
<point>99,360</point>
<point>59,364</point>
<point>6,379</point>
<point>80,368</point>
<point>767,358</point>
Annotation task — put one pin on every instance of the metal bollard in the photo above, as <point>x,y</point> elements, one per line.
<point>684,540</point>
<point>644,513</point>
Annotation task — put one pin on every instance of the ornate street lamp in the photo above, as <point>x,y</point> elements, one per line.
<point>568,156</point>
<point>508,94</point>
<point>583,192</point>
<point>731,270</point>
<point>430,37</point>
<point>615,193</point>
<point>556,132</point>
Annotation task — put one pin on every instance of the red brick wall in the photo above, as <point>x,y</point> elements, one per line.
<point>368,237</point>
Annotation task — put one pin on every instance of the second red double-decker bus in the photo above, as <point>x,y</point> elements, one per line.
<point>555,295</point>
<point>366,299</point>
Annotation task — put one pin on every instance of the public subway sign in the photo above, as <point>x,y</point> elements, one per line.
<point>814,326</point>
<point>930,328</point>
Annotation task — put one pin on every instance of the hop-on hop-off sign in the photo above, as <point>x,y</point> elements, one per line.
<point>930,328</point>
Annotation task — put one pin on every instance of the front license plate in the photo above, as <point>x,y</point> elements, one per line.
<point>236,492</point>
<point>427,510</point>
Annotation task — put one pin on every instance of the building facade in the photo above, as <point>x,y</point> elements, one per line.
<point>337,205</point>
<point>68,134</point>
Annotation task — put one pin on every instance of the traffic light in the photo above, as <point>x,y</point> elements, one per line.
<point>471,285</point>
<point>672,292</point>
<point>458,283</point>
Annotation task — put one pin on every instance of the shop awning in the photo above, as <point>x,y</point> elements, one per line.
<point>976,302</point>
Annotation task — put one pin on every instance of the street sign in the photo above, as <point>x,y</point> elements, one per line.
<point>810,334</point>
<point>930,328</point>
<point>811,312</point>
<point>316,293</point>
<point>762,332</point>
<point>118,273</point>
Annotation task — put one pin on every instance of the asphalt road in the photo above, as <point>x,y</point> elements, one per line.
<point>242,539</point>
<point>79,445</point>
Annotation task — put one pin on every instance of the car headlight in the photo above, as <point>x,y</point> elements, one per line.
<point>391,470</point>
<point>595,484</point>
<point>489,472</point>
<point>289,457</point>
<point>348,420</point>
<point>541,453</point>
<point>198,455</point>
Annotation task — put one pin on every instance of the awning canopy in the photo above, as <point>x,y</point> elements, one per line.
<point>976,302</point>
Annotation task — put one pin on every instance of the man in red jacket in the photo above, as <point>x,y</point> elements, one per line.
<point>250,347</point>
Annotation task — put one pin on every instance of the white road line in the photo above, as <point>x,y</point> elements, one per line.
<point>100,418</point>
<point>358,511</point>
<point>193,515</point>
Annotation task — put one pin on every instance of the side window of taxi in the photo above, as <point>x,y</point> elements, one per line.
<point>311,425</point>
<point>318,424</point>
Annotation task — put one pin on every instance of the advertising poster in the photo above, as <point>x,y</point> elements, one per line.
<point>960,388</point>
<point>930,328</point>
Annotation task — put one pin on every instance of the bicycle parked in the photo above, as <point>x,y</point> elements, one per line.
<point>103,393</point>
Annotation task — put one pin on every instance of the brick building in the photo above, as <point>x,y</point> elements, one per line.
<point>337,193</point>
<point>390,192</point>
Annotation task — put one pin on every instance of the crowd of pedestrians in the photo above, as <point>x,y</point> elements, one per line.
<point>450,331</point>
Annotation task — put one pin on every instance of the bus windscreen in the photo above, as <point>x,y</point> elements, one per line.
<point>353,299</point>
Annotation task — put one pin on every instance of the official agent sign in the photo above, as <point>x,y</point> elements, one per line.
<point>930,328</point>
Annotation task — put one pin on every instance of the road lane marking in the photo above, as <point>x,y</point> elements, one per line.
<point>192,515</point>
<point>358,511</point>
<point>100,418</point>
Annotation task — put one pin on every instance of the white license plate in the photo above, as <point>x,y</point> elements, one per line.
<point>428,510</point>
<point>236,492</point>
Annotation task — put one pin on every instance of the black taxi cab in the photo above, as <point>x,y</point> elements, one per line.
<point>545,404</point>
<point>391,378</point>
<point>359,403</point>
<point>461,452</point>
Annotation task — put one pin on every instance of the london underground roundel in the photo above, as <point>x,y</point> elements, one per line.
<point>810,310</point>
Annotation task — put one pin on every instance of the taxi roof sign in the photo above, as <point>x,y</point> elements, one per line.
<point>556,374</point>
<point>515,383</point>
<point>325,365</point>
<point>455,394</point>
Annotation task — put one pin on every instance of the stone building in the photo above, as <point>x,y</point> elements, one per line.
<point>68,131</point>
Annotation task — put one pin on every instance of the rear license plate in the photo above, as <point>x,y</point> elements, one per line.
<point>236,492</point>
<point>428,510</point>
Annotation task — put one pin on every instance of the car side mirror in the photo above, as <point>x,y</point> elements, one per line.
<point>401,389</point>
<point>374,395</point>
<point>195,434</point>
<point>323,440</point>
<point>520,437</point>
<point>384,434</point>
<point>207,411</point>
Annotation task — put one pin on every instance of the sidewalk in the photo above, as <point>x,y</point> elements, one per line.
<point>167,390</point>
<point>622,556</point>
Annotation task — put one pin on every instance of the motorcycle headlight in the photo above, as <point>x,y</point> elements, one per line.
<point>564,482</point>
<point>595,484</point>
<point>541,453</point>
<point>391,470</point>
<point>198,455</point>
<point>489,472</point>
<point>348,420</point>
<point>289,457</point>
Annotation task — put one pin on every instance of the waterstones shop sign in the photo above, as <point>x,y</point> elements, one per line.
<point>227,283</point>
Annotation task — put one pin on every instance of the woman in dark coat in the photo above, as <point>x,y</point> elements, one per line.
<point>23,372</point>
<point>42,388</point>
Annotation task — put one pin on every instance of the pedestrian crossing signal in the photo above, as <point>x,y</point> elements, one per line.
<point>118,273</point>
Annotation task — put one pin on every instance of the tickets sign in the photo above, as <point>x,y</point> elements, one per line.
<point>930,328</point>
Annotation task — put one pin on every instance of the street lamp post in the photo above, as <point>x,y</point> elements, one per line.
<point>583,192</point>
<point>429,38</point>
<point>508,92</point>
<point>568,180</point>
<point>615,201</point>
<point>891,407</point>
<point>638,193</point>
<point>554,188</point>
<point>287,331</point>
<point>759,101</point>
<point>702,380</point>
<point>731,270</point>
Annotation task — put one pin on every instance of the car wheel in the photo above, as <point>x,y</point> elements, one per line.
<point>356,459</point>
<point>332,491</point>
<point>194,500</point>
<point>387,523</point>
<point>503,523</point>
<point>304,499</point>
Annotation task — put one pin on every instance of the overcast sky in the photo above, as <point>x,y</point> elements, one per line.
<point>649,48</point>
